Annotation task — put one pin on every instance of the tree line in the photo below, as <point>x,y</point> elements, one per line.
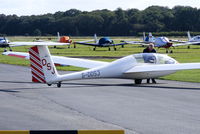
<point>130,22</point>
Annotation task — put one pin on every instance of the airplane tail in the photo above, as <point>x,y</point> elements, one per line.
<point>189,36</point>
<point>95,38</point>
<point>150,37</point>
<point>58,34</point>
<point>42,67</point>
<point>144,36</point>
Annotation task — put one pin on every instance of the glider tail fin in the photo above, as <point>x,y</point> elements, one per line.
<point>42,67</point>
<point>189,36</point>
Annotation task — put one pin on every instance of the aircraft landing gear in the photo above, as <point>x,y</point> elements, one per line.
<point>138,81</point>
<point>10,48</point>
<point>59,84</point>
<point>74,45</point>
<point>115,48</point>
<point>108,49</point>
<point>122,46</point>
<point>166,51</point>
<point>49,84</point>
<point>171,51</point>
<point>188,47</point>
<point>94,48</point>
<point>68,46</point>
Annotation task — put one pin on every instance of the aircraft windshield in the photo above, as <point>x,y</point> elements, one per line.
<point>154,58</point>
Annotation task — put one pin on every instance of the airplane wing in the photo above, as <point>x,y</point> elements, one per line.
<point>85,41</point>
<point>143,43</point>
<point>63,61</point>
<point>124,43</point>
<point>187,43</point>
<point>178,41</point>
<point>16,44</point>
<point>88,44</point>
<point>163,67</point>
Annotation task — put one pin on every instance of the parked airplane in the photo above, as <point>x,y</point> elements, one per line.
<point>160,42</point>
<point>61,39</point>
<point>102,42</point>
<point>136,66</point>
<point>191,41</point>
<point>4,43</point>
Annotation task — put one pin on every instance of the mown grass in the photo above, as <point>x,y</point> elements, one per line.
<point>181,54</point>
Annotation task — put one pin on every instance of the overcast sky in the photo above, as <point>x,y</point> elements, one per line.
<point>36,7</point>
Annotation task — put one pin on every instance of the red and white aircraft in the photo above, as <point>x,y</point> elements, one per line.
<point>136,66</point>
<point>159,42</point>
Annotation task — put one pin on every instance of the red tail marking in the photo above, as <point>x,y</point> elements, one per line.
<point>36,65</point>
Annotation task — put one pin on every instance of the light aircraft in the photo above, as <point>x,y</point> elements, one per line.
<point>191,41</point>
<point>102,42</point>
<point>159,42</point>
<point>4,43</point>
<point>61,39</point>
<point>136,66</point>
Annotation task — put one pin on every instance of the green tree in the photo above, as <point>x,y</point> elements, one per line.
<point>37,32</point>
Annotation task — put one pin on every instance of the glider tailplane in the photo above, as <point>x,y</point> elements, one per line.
<point>42,67</point>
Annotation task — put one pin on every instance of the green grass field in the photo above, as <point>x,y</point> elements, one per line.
<point>181,54</point>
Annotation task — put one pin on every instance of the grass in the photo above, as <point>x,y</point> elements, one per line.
<point>181,54</point>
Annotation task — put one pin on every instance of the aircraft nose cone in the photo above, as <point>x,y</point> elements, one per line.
<point>169,44</point>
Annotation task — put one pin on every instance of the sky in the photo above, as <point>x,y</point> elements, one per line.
<point>38,7</point>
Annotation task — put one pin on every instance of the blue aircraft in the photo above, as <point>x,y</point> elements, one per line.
<point>102,42</point>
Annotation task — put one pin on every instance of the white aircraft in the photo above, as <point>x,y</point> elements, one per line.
<point>136,66</point>
<point>61,39</point>
<point>191,41</point>
<point>4,43</point>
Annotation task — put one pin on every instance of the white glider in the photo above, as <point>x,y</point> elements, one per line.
<point>136,66</point>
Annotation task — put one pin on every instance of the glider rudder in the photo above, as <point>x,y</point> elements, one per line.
<point>42,67</point>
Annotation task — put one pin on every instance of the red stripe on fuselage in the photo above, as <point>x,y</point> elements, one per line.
<point>15,55</point>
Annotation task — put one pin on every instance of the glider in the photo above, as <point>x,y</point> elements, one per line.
<point>136,66</point>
